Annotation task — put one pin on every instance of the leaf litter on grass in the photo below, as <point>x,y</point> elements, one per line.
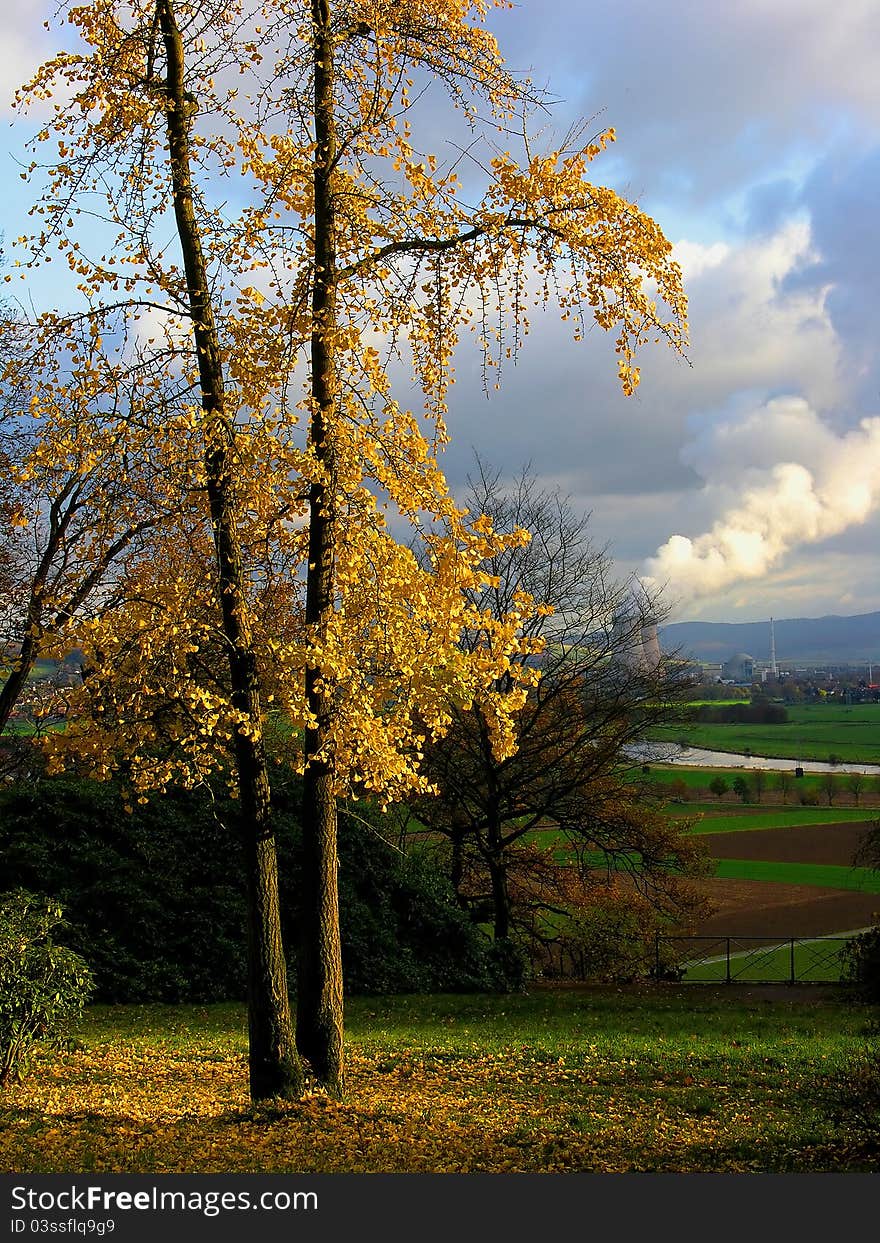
<point>701,1094</point>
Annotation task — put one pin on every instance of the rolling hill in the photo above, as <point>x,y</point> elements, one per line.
<point>835,640</point>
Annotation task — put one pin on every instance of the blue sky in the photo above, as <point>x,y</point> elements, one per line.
<point>749,480</point>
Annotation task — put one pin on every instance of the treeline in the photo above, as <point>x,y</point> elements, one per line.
<point>760,713</point>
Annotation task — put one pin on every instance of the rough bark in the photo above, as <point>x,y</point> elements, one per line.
<point>319,1029</point>
<point>275,1069</point>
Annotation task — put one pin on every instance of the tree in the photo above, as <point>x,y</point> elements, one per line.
<point>602,685</point>
<point>759,782</point>
<point>742,788</point>
<point>785,781</point>
<point>830,784</point>
<point>719,787</point>
<point>74,521</point>
<point>315,238</point>
<point>855,783</point>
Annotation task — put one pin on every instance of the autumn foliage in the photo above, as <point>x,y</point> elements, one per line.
<point>315,247</point>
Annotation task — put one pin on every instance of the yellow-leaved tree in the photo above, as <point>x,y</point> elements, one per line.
<point>274,239</point>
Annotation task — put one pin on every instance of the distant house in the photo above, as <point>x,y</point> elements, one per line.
<point>740,669</point>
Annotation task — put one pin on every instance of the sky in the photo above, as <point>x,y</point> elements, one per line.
<point>745,480</point>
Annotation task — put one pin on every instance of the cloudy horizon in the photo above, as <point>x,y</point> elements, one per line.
<point>747,478</point>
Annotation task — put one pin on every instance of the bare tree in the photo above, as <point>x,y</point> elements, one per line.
<point>72,520</point>
<point>603,683</point>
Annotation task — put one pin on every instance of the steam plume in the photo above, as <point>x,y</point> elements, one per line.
<point>824,484</point>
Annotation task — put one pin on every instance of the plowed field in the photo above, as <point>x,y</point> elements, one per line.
<point>758,908</point>
<point>813,843</point>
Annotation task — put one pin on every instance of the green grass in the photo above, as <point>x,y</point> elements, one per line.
<point>785,818</point>
<point>675,1079</point>
<point>812,732</point>
<point>698,779</point>
<point>827,875</point>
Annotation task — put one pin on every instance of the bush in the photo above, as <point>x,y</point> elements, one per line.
<point>861,965</point>
<point>613,939</point>
<point>43,986</point>
<point>401,929</point>
<point>154,899</point>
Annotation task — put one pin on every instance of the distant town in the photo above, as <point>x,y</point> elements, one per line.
<point>792,659</point>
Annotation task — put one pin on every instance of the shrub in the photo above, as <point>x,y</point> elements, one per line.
<point>613,939</point>
<point>151,900</point>
<point>43,986</point>
<point>861,965</point>
<point>154,898</point>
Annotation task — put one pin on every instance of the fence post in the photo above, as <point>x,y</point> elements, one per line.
<point>791,981</point>
<point>727,981</point>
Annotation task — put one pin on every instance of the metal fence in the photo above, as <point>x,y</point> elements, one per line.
<point>760,959</point>
<point>752,960</point>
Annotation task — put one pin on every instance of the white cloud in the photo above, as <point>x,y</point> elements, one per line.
<point>825,484</point>
<point>25,44</point>
<point>696,258</point>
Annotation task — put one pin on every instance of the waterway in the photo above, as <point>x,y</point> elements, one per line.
<point>672,753</point>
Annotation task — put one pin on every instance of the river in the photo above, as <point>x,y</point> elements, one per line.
<point>672,753</point>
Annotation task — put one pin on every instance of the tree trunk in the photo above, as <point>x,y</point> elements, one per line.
<point>456,867</point>
<point>275,1069</point>
<point>500,897</point>
<point>14,684</point>
<point>33,631</point>
<point>319,1025</point>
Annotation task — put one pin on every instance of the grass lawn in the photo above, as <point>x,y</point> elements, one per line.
<point>826,875</point>
<point>604,1080</point>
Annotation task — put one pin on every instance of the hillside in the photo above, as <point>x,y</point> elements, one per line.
<point>836,640</point>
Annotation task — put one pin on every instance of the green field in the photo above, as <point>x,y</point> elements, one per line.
<point>812,732</point>
<point>784,818</point>
<point>827,875</point>
<point>670,1078</point>
<point>698,779</point>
